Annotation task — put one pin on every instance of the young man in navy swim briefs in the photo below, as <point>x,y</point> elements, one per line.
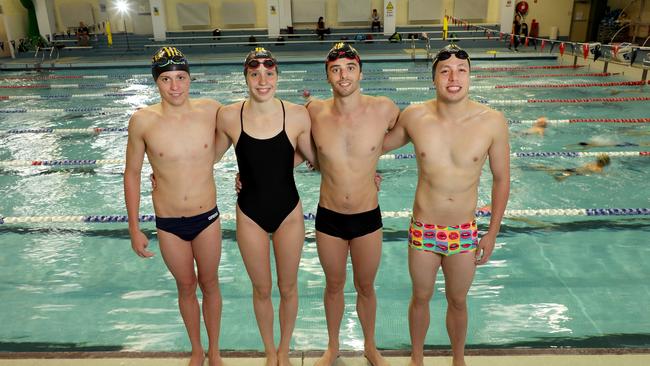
<point>453,136</point>
<point>348,131</point>
<point>178,137</point>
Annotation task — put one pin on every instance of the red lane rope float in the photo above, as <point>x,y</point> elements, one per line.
<point>576,85</point>
<point>610,120</point>
<point>545,75</point>
<point>589,100</point>
<point>522,68</point>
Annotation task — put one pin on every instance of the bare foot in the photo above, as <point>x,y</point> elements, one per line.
<point>283,359</point>
<point>214,359</point>
<point>459,362</point>
<point>375,358</point>
<point>271,360</point>
<point>197,359</point>
<point>328,358</point>
<point>414,363</point>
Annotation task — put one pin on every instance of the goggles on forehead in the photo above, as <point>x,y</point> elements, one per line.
<point>268,63</point>
<point>446,54</point>
<point>166,60</point>
<point>337,54</point>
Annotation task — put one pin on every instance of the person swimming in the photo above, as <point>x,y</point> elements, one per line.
<point>606,142</point>
<point>560,174</point>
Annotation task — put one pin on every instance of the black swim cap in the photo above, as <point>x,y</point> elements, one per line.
<point>168,59</point>
<point>342,50</point>
<point>445,53</point>
<point>260,53</point>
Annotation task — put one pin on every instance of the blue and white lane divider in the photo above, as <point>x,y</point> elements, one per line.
<point>98,130</point>
<point>66,77</point>
<point>542,154</point>
<point>566,212</point>
<point>66,110</point>
<point>65,131</point>
<point>399,103</point>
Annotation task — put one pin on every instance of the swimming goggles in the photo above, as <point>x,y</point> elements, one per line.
<point>164,61</point>
<point>268,63</point>
<point>446,54</point>
<point>337,54</point>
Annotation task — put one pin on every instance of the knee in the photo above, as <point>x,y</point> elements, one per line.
<point>364,289</point>
<point>421,298</point>
<point>209,284</point>
<point>458,303</point>
<point>262,291</point>
<point>288,290</point>
<point>334,286</point>
<point>187,286</point>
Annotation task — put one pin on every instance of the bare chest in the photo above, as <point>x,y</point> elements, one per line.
<point>183,143</point>
<point>438,147</point>
<point>341,139</point>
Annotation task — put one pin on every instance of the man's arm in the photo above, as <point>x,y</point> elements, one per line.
<point>135,149</point>
<point>305,144</point>
<point>397,136</point>
<point>222,141</point>
<point>499,153</point>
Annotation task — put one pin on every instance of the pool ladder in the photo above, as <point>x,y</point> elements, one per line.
<point>427,48</point>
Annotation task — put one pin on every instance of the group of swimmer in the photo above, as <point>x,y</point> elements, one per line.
<point>343,137</point>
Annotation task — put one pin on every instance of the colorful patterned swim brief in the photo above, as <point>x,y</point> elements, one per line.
<point>444,240</point>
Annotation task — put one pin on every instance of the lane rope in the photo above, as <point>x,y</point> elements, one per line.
<point>100,130</point>
<point>383,70</point>
<point>566,212</point>
<point>424,77</point>
<point>292,91</point>
<point>404,156</point>
<point>399,103</point>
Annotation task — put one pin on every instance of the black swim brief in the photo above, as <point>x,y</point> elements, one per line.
<point>348,226</point>
<point>187,228</point>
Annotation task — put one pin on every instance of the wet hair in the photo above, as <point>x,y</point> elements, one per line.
<point>168,59</point>
<point>342,50</point>
<point>603,160</point>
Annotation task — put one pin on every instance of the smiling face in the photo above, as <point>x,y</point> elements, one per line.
<point>261,81</point>
<point>344,75</point>
<point>174,87</point>
<point>452,79</point>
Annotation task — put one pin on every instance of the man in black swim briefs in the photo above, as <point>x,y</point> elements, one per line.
<point>178,137</point>
<point>348,131</point>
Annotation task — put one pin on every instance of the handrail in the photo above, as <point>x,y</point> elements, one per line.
<point>270,42</point>
<point>288,35</point>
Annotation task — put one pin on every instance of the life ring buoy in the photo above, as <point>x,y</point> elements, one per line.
<point>522,8</point>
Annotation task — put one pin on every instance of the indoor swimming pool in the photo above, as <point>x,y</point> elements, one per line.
<point>558,279</point>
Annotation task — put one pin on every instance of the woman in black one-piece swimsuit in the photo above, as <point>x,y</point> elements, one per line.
<point>266,133</point>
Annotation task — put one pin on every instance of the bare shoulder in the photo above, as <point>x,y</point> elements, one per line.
<point>228,116</point>
<point>296,110</point>
<point>416,111</point>
<point>230,111</point>
<point>206,103</point>
<point>382,104</point>
<point>143,117</point>
<point>316,105</point>
<point>489,115</point>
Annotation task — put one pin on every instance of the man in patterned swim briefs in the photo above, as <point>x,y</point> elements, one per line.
<point>453,136</point>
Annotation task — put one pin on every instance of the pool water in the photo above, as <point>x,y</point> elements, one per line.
<point>552,281</point>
